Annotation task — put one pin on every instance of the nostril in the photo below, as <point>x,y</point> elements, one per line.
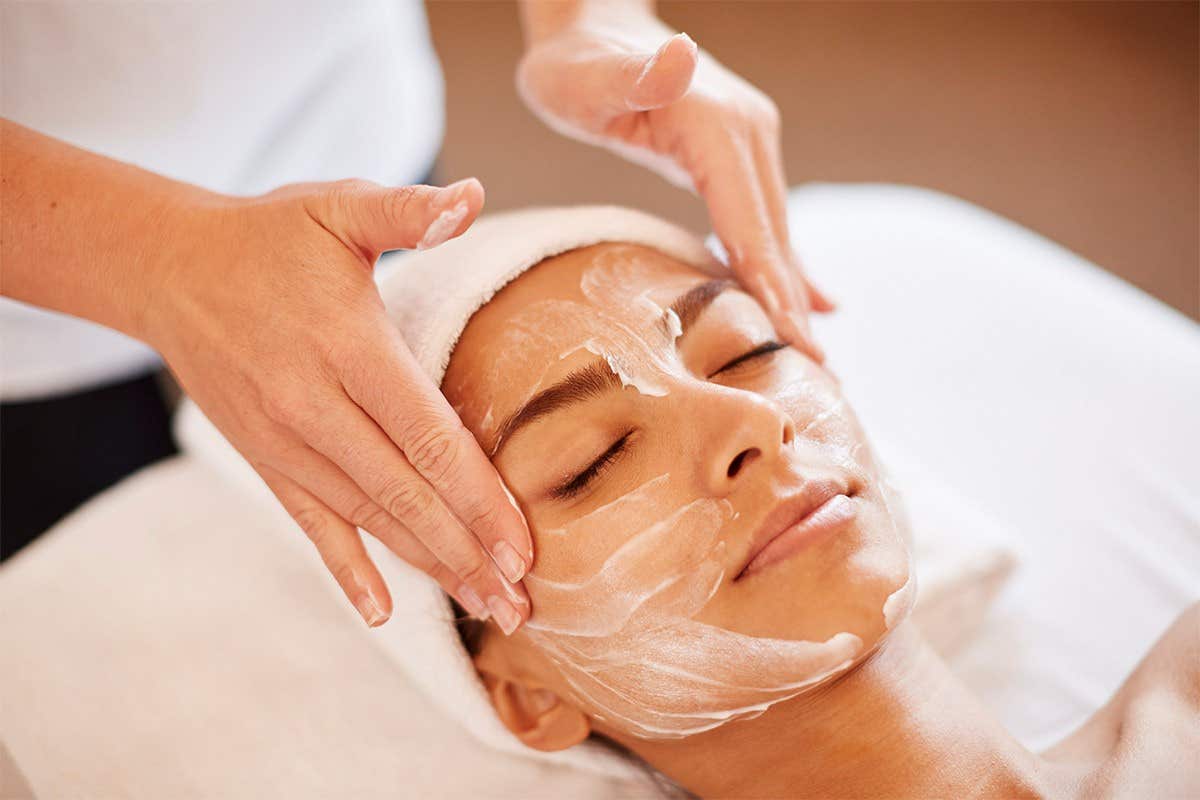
<point>789,432</point>
<point>740,460</point>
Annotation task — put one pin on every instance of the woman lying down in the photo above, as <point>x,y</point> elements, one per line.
<point>722,579</point>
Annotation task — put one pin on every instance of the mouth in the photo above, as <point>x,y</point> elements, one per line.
<point>816,513</point>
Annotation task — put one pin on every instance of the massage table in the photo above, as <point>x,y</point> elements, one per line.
<point>172,639</point>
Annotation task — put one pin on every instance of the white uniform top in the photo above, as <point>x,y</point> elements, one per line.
<point>235,97</point>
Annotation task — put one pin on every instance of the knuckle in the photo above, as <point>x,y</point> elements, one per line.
<point>351,186</point>
<point>475,569</point>
<point>435,453</point>
<point>286,408</point>
<point>407,499</point>
<point>398,205</point>
<point>343,197</point>
<point>367,515</point>
<point>484,518</point>
<point>443,575</point>
<point>315,525</point>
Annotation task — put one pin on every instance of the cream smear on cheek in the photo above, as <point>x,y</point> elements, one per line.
<point>827,413</point>
<point>625,635</point>
<point>625,638</point>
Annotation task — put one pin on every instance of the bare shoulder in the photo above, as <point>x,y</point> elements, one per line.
<point>1174,661</point>
<point>1164,688</point>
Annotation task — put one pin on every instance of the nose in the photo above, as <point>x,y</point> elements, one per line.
<point>742,434</point>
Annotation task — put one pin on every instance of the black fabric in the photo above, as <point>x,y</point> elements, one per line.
<point>57,453</point>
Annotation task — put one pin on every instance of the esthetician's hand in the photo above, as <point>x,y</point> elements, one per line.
<point>612,74</point>
<point>265,309</point>
<point>274,326</point>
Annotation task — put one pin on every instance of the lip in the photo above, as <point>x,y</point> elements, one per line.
<point>818,510</point>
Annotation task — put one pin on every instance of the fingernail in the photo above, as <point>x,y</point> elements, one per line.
<point>515,597</point>
<point>510,561</point>
<point>368,607</point>
<point>471,602</point>
<point>452,193</point>
<point>505,615</point>
<point>443,226</point>
<point>653,61</point>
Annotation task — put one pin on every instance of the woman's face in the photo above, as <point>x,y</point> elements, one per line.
<point>711,531</point>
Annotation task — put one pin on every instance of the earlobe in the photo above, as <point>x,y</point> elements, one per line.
<point>537,716</point>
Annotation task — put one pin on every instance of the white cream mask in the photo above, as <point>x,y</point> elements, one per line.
<point>625,637</point>
<point>625,634</point>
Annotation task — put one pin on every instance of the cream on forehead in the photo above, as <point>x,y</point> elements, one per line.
<point>617,320</point>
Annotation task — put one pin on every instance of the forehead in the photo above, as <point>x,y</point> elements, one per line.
<point>562,277</point>
<point>528,331</point>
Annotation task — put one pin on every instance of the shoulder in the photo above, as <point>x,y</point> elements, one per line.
<point>1169,677</point>
<point>1181,652</point>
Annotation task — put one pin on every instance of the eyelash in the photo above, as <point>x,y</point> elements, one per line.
<point>594,470</point>
<point>766,348</point>
<point>579,482</point>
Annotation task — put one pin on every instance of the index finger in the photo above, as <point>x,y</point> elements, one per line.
<point>742,219</point>
<point>415,415</point>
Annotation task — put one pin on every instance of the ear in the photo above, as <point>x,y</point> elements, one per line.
<point>535,714</point>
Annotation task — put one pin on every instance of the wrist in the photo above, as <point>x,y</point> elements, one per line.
<point>190,230</point>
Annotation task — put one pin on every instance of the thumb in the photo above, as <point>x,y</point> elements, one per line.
<point>376,218</point>
<point>590,85</point>
<point>662,78</point>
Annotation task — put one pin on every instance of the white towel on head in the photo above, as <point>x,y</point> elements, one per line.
<point>431,295</point>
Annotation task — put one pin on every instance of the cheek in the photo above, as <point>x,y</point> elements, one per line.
<point>814,401</point>
<point>623,630</point>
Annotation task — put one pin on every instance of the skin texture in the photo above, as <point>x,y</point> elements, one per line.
<point>896,723</point>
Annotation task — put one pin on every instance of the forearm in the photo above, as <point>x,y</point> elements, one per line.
<point>542,18</point>
<point>88,235</point>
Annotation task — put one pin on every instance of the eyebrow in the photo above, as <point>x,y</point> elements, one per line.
<point>597,378</point>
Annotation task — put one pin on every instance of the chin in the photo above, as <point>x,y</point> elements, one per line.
<point>847,589</point>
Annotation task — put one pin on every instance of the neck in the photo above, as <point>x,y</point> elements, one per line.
<point>899,724</point>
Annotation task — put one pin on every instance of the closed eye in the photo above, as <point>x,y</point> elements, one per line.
<point>757,352</point>
<point>580,481</point>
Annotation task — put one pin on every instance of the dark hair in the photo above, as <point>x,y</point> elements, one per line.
<point>471,630</point>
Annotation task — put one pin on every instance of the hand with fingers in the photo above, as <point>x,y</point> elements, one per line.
<point>612,74</point>
<point>275,328</point>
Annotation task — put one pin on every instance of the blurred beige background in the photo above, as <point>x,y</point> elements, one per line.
<point>1079,120</point>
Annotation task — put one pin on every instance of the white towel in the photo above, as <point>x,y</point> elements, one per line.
<point>431,296</point>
